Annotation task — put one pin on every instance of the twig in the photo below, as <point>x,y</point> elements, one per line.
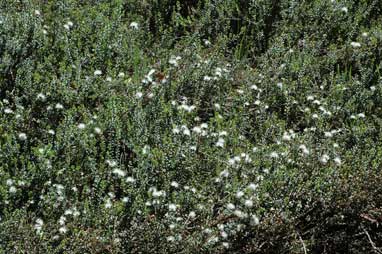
<point>302,242</point>
<point>375,248</point>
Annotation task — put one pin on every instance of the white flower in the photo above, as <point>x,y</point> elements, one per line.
<point>129,179</point>
<point>197,129</point>
<point>220,143</point>
<point>324,159</point>
<point>274,155</point>
<point>170,239</point>
<point>81,126</point>
<point>22,136</point>
<point>224,173</point>
<point>97,72</point>
<point>63,230</point>
<point>9,182</point>
<point>8,111</point>
<point>255,220</point>
<point>192,214</point>
<point>252,186</point>
<point>172,207</point>
<point>248,203</point>
<point>37,12</point>
<point>59,106</point>
<point>206,78</point>
<point>111,163</point>
<point>157,194</point>
<point>304,149</point>
<point>51,132</point>
<point>280,85</point>
<point>119,172</point>
<point>174,184</point>
<point>337,160</point>
<point>125,199</point>
<point>355,44</point>
<point>186,132</point>
<point>134,25</point>
<point>97,130</point>
<point>223,133</point>
<point>230,206</point>
<point>67,27</point>
<point>174,60</point>
<point>344,9</point>
<point>38,225</point>
<point>239,194</point>
<point>12,189</point>
<point>139,95</point>
<point>108,204</point>
<point>286,137</point>
<point>70,23</point>
<point>361,115</point>
<point>239,214</point>
<point>176,130</point>
<point>41,96</point>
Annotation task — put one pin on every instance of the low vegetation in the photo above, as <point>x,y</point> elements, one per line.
<point>190,126</point>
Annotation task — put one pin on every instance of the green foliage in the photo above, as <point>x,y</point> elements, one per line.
<point>190,126</point>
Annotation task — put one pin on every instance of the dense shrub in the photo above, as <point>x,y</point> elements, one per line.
<point>190,126</point>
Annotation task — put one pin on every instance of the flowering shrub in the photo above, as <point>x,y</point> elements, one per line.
<point>190,126</point>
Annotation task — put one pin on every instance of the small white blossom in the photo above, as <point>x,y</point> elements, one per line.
<point>248,203</point>
<point>81,126</point>
<point>134,25</point>
<point>324,159</point>
<point>22,136</point>
<point>63,230</point>
<point>172,207</point>
<point>337,160</point>
<point>230,206</point>
<point>119,172</point>
<point>361,115</point>
<point>355,44</point>
<point>130,179</point>
<point>239,214</point>
<point>8,111</point>
<point>12,189</point>
<point>111,163</point>
<point>255,220</point>
<point>108,204</point>
<point>220,142</point>
<point>239,194</point>
<point>97,72</point>
<point>174,184</point>
<point>59,106</point>
<point>41,96</point>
